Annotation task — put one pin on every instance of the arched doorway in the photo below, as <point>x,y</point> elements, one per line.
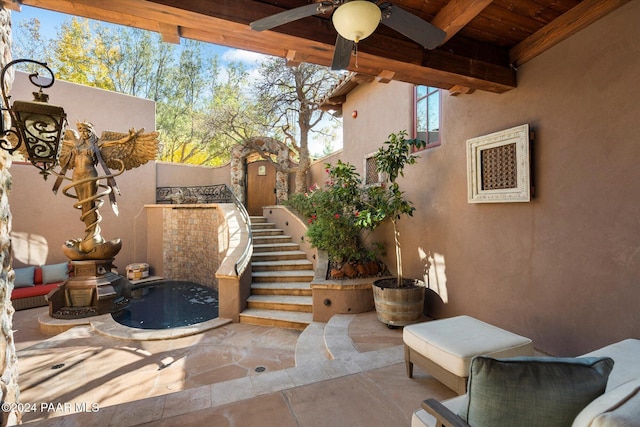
<point>266,152</point>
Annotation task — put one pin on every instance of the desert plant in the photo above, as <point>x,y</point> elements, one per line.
<point>387,202</point>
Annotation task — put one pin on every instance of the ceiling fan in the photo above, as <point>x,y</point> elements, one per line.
<point>355,20</point>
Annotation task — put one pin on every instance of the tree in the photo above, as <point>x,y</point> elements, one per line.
<point>72,57</point>
<point>138,63</point>
<point>27,42</point>
<point>289,97</point>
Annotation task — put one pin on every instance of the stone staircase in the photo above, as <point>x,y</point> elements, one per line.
<point>281,275</point>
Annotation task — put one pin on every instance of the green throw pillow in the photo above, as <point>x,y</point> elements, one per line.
<point>532,391</point>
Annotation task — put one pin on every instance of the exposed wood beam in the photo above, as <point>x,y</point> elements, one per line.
<point>385,76</point>
<point>170,33</point>
<point>15,5</point>
<point>295,58</point>
<point>363,78</point>
<point>458,90</point>
<point>577,18</point>
<point>337,99</point>
<point>458,13</point>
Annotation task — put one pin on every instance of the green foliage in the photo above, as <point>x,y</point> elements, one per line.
<point>332,214</point>
<point>392,158</point>
<point>387,202</point>
<point>338,213</point>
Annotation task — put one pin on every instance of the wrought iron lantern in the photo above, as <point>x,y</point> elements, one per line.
<point>36,124</point>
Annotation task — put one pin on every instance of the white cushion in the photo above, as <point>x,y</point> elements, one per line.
<point>453,342</point>
<point>610,405</point>
<point>422,418</point>
<point>625,354</point>
<point>625,415</point>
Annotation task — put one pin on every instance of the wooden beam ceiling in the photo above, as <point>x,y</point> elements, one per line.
<point>463,64</point>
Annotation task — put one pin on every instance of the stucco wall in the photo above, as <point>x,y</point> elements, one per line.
<point>382,109</point>
<point>564,268</point>
<point>317,171</point>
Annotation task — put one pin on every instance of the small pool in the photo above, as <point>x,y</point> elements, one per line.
<point>169,304</point>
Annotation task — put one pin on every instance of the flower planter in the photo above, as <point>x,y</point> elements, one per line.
<point>399,306</point>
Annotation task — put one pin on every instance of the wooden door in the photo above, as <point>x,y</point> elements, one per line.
<point>261,186</point>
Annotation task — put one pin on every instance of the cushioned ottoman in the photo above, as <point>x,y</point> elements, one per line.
<point>444,348</point>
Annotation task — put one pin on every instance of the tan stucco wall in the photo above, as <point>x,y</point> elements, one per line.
<point>564,268</point>
<point>382,109</point>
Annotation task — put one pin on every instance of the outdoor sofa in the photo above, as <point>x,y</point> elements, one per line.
<point>618,406</point>
<point>33,283</point>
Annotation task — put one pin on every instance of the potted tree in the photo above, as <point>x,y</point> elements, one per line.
<point>399,301</point>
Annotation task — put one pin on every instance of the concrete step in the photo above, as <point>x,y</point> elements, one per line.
<point>288,288</point>
<point>310,347</point>
<point>257,219</point>
<point>263,240</point>
<point>262,225</point>
<point>277,255</point>
<point>281,302</point>
<point>282,265</point>
<point>274,247</point>
<point>282,319</point>
<point>267,232</point>
<point>282,276</point>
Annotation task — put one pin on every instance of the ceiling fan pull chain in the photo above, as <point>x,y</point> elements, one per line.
<point>355,52</point>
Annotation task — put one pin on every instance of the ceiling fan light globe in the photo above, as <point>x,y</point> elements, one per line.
<point>357,19</point>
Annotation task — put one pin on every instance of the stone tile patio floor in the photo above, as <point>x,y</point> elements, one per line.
<point>234,375</point>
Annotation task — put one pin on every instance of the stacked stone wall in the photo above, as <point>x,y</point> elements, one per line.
<point>190,244</point>
<point>9,391</point>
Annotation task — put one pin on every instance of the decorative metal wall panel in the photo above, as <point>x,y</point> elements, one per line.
<point>218,193</point>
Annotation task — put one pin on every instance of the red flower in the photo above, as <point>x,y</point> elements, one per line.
<point>310,221</point>
<point>357,213</point>
<point>337,216</point>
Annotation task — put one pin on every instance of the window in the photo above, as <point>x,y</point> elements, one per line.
<point>427,115</point>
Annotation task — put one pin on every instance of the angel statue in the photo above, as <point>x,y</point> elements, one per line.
<point>83,151</point>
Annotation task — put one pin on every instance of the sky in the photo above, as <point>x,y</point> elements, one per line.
<point>50,22</point>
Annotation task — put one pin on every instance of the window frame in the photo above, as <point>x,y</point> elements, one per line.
<point>430,90</point>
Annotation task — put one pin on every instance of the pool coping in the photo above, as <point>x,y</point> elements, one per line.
<point>105,325</point>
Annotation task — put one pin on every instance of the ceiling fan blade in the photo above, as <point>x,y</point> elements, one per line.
<point>341,53</point>
<point>286,16</point>
<point>408,24</point>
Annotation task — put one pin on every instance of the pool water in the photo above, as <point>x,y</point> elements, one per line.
<point>169,304</point>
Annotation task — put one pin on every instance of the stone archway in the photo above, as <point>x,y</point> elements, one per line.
<point>267,148</point>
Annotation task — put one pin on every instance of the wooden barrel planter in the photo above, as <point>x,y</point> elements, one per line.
<point>398,306</point>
